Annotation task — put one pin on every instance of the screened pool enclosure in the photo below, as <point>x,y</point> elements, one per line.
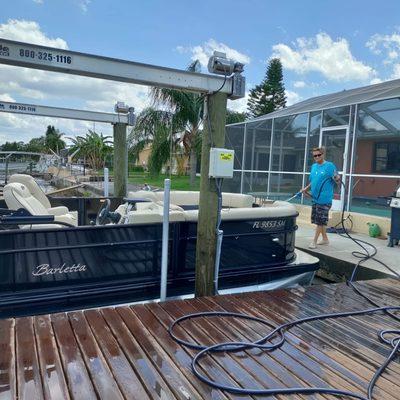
<point>360,129</point>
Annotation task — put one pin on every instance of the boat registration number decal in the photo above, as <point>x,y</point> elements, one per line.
<point>46,269</point>
<point>278,223</point>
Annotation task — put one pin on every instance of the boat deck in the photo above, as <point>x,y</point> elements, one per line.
<point>126,351</point>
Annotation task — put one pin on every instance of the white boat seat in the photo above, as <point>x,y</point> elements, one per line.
<point>143,194</point>
<point>17,195</point>
<point>147,213</point>
<point>191,198</point>
<point>276,210</point>
<point>152,212</point>
<point>38,193</point>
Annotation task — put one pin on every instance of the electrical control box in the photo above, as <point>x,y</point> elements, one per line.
<point>221,163</point>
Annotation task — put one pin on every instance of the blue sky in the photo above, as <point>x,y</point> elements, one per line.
<point>325,46</point>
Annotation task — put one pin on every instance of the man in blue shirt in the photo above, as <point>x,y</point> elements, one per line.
<point>323,178</point>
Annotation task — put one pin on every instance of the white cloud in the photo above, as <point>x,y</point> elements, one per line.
<point>389,47</point>
<point>6,97</point>
<point>18,127</point>
<point>292,97</point>
<point>83,5</point>
<point>388,44</point>
<point>375,81</point>
<point>38,1</point>
<point>55,89</point>
<point>333,59</point>
<point>204,51</point>
<point>396,71</point>
<point>28,31</point>
<point>239,105</point>
<point>299,84</point>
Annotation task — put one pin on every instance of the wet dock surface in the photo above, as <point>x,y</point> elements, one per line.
<point>126,352</point>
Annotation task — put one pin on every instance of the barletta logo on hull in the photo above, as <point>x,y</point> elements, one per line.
<point>46,269</point>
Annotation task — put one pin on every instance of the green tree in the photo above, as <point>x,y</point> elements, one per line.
<point>53,139</point>
<point>269,95</point>
<point>94,147</point>
<point>232,117</point>
<point>36,145</point>
<point>187,110</point>
<point>155,127</point>
<point>13,146</point>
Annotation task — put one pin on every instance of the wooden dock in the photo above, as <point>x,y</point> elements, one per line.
<point>127,353</point>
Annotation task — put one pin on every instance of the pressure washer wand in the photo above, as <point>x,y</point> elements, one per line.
<point>298,194</point>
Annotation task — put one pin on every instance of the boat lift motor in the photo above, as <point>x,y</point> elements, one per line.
<point>394,204</point>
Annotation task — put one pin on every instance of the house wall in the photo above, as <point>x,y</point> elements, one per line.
<point>364,164</point>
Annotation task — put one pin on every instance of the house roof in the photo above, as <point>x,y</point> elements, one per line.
<point>379,91</point>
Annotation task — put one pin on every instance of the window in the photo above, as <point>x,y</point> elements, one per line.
<point>387,157</point>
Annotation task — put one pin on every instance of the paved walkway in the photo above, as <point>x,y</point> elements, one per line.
<point>337,255</point>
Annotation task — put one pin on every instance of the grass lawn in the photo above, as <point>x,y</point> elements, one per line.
<point>177,182</point>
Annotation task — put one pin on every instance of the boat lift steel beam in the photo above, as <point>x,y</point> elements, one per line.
<point>67,113</point>
<point>58,60</point>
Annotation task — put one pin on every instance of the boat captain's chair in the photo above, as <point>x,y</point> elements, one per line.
<point>17,195</point>
<point>40,196</point>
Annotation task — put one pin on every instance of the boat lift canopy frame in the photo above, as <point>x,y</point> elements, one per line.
<point>67,113</point>
<point>70,62</point>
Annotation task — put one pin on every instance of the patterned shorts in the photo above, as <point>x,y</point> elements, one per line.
<point>320,214</point>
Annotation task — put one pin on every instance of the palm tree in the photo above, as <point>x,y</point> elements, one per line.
<point>187,109</point>
<point>94,147</point>
<point>155,127</point>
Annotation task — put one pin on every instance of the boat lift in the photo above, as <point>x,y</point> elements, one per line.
<point>217,89</point>
<point>66,113</point>
<point>119,121</point>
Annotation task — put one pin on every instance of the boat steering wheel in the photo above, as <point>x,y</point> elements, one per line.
<point>104,213</point>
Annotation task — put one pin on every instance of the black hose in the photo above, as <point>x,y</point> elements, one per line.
<point>278,333</point>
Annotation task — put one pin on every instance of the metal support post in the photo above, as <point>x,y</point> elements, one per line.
<point>106,183</point>
<point>165,237</point>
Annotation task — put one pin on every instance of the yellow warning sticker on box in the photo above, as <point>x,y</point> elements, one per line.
<point>226,156</point>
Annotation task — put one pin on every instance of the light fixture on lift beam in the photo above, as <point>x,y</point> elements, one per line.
<point>219,64</point>
<point>121,108</point>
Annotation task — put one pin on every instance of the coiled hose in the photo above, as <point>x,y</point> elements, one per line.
<point>391,337</point>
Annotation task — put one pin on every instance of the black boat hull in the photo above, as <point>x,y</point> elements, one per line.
<point>50,270</point>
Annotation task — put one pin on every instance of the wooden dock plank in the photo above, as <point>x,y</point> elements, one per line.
<point>182,355</point>
<point>78,379</point>
<point>219,366</point>
<point>155,367</point>
<point>220,330</point>
<point>291,359</point>
<point>115,357</point>
<point>8,389</point>
<point>28,372</point>
<point>96,365</point>
<point>325,336</point>
<point>54,383</point>
<point>329,367</point>
<point>362,333</point>
<point>126,352</point>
